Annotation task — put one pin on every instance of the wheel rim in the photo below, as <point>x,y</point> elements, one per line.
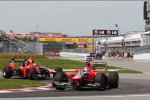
<point>4,74</point>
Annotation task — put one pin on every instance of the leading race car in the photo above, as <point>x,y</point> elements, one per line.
<point>28,69</point>
<point>87,77</point>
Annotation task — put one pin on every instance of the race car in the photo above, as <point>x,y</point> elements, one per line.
<point>28,69</point>
<point>87,77</point>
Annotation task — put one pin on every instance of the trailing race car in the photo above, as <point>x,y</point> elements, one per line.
<point>87,77</point>
<point>28,69</point>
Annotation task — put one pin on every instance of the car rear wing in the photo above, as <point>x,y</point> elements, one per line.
<point>100,64</point>
<point>19,60</point>
<point>16,61</point>
<point>88,58</point>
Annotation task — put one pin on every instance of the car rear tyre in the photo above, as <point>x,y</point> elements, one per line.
<point>60,77</point>
<point>7,72</point>
<point>19,72</point>
<point>58,69</point>
<point>101,81</point>
<point>32,73</point>
<point>113,79</point>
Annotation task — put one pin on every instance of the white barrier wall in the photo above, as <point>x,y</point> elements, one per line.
<point>143,56</point>
<point>142,53</point>
<point>66,54</point>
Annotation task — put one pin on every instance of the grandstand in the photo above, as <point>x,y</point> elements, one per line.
<point>11,44</point>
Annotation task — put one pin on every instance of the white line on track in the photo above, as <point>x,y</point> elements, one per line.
<point>146,73</point>
<point>80,97</point>
<point>3,91</point>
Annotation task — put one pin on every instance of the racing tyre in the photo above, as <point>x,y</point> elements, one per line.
<point>101,81</point>
<point>19,72</point>
<point>113,79</point>
<point>58,69</point>
<point>7,72</point>
<point>32,73</point>
<point>60,77</point>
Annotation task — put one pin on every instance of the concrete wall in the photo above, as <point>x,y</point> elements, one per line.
<point>142,53</point>
<point>66,54</point>
<point>143,56</point>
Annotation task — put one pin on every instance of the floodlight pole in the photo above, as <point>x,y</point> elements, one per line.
<point>93,41</point>
<point>37,28</point>
<point>118,28</point>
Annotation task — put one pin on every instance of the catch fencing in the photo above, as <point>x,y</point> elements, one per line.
<point>16,46</point>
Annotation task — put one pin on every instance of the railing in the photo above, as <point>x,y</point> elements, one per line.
<point>78,50</point>
<point>13,45</point>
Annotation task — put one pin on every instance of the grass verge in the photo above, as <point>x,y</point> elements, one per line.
<point>18,83</point>
<point>65,64</point>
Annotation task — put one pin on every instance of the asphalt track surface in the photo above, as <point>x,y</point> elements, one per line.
<point>127,86</point>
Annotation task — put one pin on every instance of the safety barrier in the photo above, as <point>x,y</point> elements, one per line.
<point>66,54</point>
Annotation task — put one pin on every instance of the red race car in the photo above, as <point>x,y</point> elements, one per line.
<point>87,77</point>
<point>28,69</point>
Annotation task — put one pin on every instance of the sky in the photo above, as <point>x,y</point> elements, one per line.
<point>74,18</point>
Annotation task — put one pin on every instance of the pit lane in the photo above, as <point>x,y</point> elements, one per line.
<point>127,86</point>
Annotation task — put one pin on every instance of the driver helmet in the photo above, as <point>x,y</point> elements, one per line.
<point>36,65</point>
<point>12,61</point>
<point>86,69</point>
<point>26,62</point>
